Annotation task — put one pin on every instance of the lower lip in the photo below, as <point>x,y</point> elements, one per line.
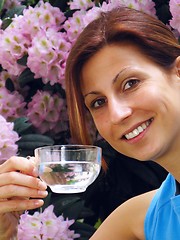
<point>138,137</point>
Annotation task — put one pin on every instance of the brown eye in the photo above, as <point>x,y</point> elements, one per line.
<point>98,103</point>
<point>131,83</point>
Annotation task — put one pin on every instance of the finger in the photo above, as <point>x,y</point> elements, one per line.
<point>20,205</point>
<point>33,160</point>
<point>10,191</point>
<point>18,164</point>
<point>17,178</point>
<point>35,164</point>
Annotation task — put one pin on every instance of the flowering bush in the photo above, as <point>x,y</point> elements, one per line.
<point>8,139</point>
<point>35,40</point>
<point>44,226</point>
<point>174,9</point>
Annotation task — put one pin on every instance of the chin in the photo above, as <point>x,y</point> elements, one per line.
<point>141,158</point>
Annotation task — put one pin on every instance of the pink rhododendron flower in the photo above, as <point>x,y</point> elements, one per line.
<point>44,111</point>
<point>45,226</point>
<point>81,4</point>
<point>36,34</point>
<point>48,51</point>
<point>8,4</point>
<point>147,6</point>
<point>12,104</point>
<point>8,138</point>
<point>13,47</point>
<point>81,18</point>
<point>175,11</point>
<point>42,16</point>
<point>4,75</point>
<point>75,24</point>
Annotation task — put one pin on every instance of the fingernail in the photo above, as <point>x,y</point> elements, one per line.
<point>38,203</point>
<point>42,193</point>
<point>42,185</point>
<point>35,172</point>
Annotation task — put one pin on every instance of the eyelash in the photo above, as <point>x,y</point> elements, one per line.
<point>134,81</point>
<point>92,106</point>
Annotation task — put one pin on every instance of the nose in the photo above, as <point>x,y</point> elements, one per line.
<point>119,111</point>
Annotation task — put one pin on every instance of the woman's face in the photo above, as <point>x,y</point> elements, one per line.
<point>134,103</point>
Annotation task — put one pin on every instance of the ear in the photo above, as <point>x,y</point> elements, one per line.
<point>177,66</point>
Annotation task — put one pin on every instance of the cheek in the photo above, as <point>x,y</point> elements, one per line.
<point>103,127</point>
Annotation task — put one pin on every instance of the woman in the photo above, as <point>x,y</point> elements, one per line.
<point>125,70</point>
<point>20,190</point>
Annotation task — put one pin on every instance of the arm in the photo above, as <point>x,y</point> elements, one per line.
<point>20,190</point>
<point>127,221</point>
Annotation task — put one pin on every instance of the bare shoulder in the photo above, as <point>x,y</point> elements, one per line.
<point>138,206</point>
<point>127,221</point>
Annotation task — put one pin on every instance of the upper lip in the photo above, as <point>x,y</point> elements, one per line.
<point>134,127</point>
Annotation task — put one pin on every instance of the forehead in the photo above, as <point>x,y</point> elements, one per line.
<point>115,57</point>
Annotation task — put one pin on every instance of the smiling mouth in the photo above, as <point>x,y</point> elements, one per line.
<point>138,130</point>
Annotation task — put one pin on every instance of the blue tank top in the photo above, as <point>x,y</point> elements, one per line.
<point>162,221</point>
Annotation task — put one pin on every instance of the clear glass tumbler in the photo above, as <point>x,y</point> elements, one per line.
<point>68,168</point>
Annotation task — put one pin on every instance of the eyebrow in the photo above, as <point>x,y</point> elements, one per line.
<point>121,72</point>
<point>114,80</point>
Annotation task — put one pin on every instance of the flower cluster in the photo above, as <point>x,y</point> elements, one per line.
<point>8,139</point>
<point>44,111</point>
<point>45,226</point>
<point>11,104</point>
<point>175,10</point>
<point>11,3</point>
<point>36,34</point>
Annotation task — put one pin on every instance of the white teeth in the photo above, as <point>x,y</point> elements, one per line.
<point>131,135</point>
<point>135,132</point>
<point>138,130</point>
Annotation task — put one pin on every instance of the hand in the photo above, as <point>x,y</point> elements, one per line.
<point>20,190</point>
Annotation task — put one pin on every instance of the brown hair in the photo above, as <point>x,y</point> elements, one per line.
<point>121,24</point>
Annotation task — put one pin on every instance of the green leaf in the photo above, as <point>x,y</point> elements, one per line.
<point>65,206</point>
<point>21,125</point>
<point>83,226</point>
<point>72,211</point>
<point>60,4</point>
<point>86,212</point>
<point>9,85</point>
<point>6,22</point>
<point>26,77</point>
<point>23,60</point>
<point>32,141</point>
<point>64,201</point>
<point>1,4</point>
<point>98,223</point>
<point>83,238</point>
<point>85,230</point>
<point>18,10</point>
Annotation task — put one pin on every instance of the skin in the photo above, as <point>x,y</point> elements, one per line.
<point>126,89</point>
<point>20,190</point>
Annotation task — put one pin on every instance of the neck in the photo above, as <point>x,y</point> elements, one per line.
<point>171,162</point>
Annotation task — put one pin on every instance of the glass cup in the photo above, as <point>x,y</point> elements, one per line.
<point>68,168</point>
